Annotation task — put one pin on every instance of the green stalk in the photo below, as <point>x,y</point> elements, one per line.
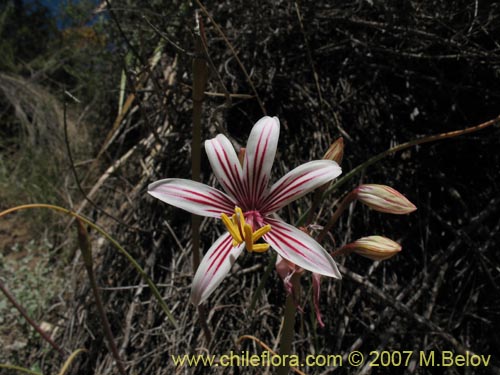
<point>340,209</point>
<point>287,334</point>
<point>86,249</point>
<point>263,280</point>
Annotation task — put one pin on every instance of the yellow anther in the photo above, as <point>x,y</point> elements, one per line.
<point>260,247</point>
<point>239,212</point>
<point>243,232</point>
<point>248,237</point>
<point>232,229</point>
<point>260,232</point>
<point>239,219</point>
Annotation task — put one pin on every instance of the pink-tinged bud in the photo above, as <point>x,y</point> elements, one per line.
<point>287,270</point>
<point>374,247</point>
<point>384,199</point>
<point>336,151</point>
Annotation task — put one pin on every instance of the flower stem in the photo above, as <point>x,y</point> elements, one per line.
<point>403,146</point>
<point>86,249</point>
<point>307,215</point>
<point>340,209</point>
<point>287,334</point>
<point>263,281</point>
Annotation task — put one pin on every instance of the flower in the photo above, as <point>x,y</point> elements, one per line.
<point>384,199</point>
<point>248,205</point>
<point>374,247</point>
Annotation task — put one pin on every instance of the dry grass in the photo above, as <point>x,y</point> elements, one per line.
<point>34,148</point>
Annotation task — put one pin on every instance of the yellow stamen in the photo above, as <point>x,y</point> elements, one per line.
<point>240,219</point>
<point>248,237</point>
<point>260,247</point>
<point>242,232</point>
<point>260,232</point>
<point>231,228</point>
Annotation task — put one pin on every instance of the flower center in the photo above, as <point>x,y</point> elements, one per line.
<point>243,232</point>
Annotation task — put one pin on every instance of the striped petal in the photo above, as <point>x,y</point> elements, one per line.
<point>299,248</point>
<point>226,166</point>
<point>214,266</point>
<point>299,182</point>
<point>192,196</point>
<point>259,157</point>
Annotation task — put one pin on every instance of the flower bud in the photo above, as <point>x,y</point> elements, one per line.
<point>336,151</point>
<point>384,199</point>
<point>374,247</point>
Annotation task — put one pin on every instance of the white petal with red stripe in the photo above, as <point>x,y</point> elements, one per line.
<point>194,197</point>
<point>259,157</point>
<point>226,166</point>
<point>214,266</point>
<point>299,182</point>
<point>299,248</point>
